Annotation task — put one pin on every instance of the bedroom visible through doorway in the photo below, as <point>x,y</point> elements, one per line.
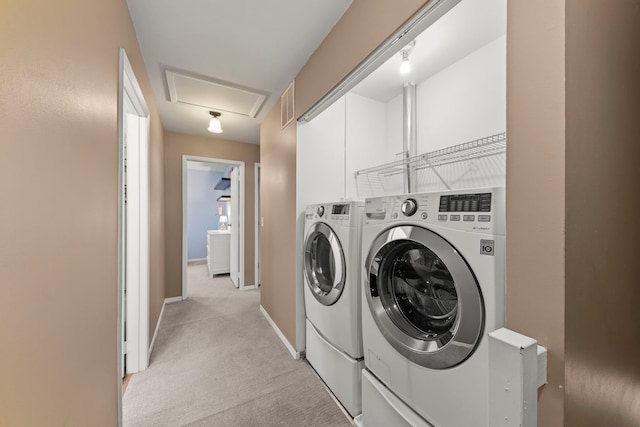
<point>213,217</point>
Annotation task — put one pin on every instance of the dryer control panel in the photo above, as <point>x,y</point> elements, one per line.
<point>347,213</point>
<point>340,211</point>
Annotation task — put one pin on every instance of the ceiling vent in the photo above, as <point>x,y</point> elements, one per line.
<point>287,109</point>
<point>214,95</point>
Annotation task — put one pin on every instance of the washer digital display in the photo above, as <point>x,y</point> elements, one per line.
<point>340,210</point>
<point>480,202</point>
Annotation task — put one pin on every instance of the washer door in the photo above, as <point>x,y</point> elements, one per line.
<point>324,264</point>
<point>424,297</point>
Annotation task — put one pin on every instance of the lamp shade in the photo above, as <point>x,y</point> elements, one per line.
<point>223,218</point>
<point>214,125</point>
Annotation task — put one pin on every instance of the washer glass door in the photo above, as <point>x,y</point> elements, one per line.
<point>324,264</point>
<point>424,297</point>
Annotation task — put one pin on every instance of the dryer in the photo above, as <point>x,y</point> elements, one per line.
<point>332,297</point>
<point>433,282</point>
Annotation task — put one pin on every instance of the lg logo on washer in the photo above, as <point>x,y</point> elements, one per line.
<point>486,247</point>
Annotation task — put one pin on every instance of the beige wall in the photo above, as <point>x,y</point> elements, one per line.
<point>176,145</point>
<point>59,209</point>
<point>573,107</point>
<point>278,210</point>
<point>535,187</point>
<point>603,198</point>
<point>362,28</point>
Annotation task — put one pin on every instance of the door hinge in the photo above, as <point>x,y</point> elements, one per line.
<point>124,347</point>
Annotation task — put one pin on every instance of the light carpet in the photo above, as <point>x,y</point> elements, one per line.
<point>217,362</point>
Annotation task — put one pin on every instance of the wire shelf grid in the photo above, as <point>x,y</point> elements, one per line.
<point>477,163</point>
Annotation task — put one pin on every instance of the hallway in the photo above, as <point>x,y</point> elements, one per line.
<point>217,362</point>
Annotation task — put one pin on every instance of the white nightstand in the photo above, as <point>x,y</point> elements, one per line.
<point>218,255</point>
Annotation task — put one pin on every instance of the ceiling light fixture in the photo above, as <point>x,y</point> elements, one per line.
<point>405,66</point>
<point>214,124</point>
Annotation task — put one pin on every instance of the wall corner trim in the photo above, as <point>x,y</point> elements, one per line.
<point>295,354</point>
<point>155,333</point>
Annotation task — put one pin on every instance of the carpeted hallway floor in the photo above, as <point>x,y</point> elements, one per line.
<point>217,362</point>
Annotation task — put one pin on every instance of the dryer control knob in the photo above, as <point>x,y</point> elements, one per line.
<point>409,207</point>
<point>320,210</point>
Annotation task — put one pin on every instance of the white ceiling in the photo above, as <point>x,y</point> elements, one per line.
<point>470,25</point>
<point>255,44</point>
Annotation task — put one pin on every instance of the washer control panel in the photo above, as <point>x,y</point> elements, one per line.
<point>478,211</point>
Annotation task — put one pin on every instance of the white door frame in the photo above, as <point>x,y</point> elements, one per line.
<point>257,223</point>
<point>241,233</point>
<point>137,307</point>
<point>235,227</point>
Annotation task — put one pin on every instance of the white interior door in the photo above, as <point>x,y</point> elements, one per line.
<point>130,127</point>
<point>134,217</point>
<point>131,236</point>
<point>234,225</point>
<point>136,241</point>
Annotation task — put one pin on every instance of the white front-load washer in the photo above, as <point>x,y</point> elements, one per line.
<point>433,288</point>
<point>332,297</point>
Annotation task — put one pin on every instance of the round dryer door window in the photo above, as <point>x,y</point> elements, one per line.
<point>324,264</point>
<point>424,297</point>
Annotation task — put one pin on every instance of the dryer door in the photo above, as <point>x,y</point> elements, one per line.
<point>424,297</point>
<point>324,265</point>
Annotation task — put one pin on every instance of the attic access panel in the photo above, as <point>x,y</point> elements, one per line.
<point>212,95</point>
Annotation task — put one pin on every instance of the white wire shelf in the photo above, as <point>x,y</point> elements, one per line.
<point>477,163</point>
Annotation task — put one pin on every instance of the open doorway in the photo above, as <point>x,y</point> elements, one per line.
<point>213,217</point>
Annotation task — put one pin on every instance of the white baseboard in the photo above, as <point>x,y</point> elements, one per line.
<point>197,261</point>
<point>248,288</point>
<point>295,354</point>
<point>155,333</point>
